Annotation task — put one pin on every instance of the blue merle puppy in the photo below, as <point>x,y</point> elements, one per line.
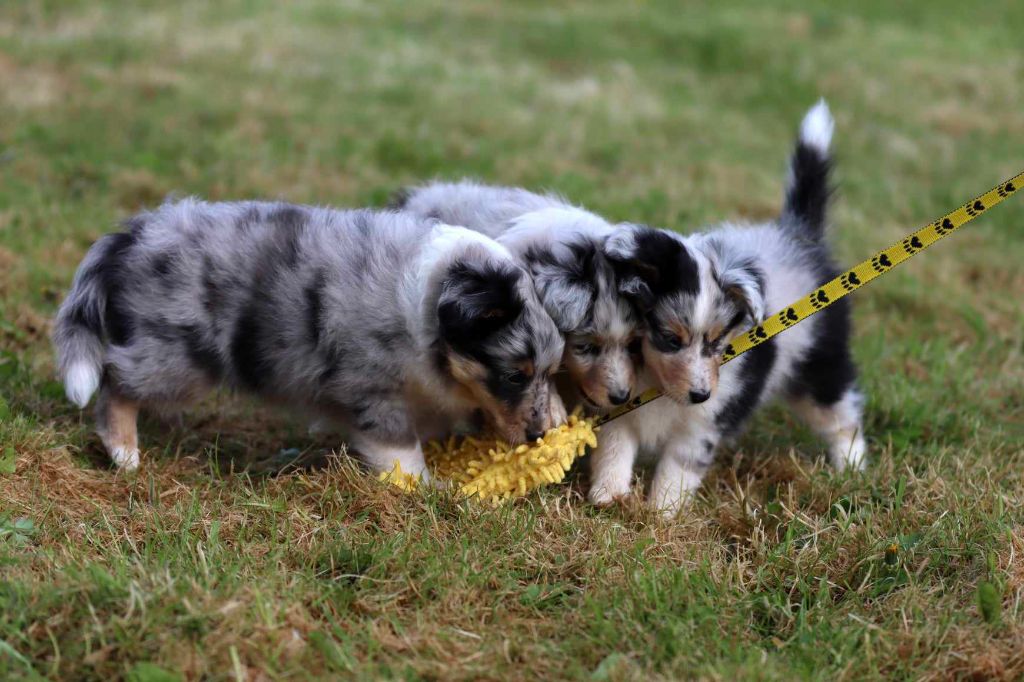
<point>563,247</point>
<point>393,325</point>
<point>698,292</point>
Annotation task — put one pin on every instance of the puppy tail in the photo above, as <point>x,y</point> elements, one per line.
<point>808,186</point>
<point>78,332</point>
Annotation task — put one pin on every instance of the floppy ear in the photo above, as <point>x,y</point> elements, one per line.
<point>475,303</point>
<point>743,283</point>
<point>564,298</point>
<point>564,285</point>
<point>648,264</point>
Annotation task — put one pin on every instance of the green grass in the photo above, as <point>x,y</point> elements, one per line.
<point>667,113</point>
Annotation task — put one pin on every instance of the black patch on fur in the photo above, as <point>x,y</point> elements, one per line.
<point>501,387</point>
<point>202,352</point>
<point>163,266</point>
<point>248,356</point>
<point>211,297</point>
<point>809,192</point>
<point>666,265</point>
<point>828,370</point>
<point>362,220</point>
<point>659,267</point>
<point>390,338</point>
<point>250,217</point>
<point>476,303</point>
<point>314,293</point>
<point>289,223</point>
<point>399,199</point>
<point>580,269</point>
<point>134,225</point>
<point>755,370</point>
<point>159,329</point>
<point>706,457</point>
<point>328,373</point>
<point>117,321</point>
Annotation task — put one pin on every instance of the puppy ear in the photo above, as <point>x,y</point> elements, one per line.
<point>564,283</point>
<point>743,282</point>
<point>636,290</point>
<point>649,264</point>
<point>476,302</point>
<point>564,299</point>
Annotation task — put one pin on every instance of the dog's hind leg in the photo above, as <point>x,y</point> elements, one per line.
<point>116,418</point>
<point>840,425</point>
<point>823,390</point>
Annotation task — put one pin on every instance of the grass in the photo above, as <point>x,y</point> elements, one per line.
<point>219,562</point>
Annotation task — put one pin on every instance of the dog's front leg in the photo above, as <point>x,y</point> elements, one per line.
<point>611,464</point>
<point>384,435</point>
<point>680,470</point>
<point>382,457</point>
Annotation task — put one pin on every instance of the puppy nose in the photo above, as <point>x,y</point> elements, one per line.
<point>699,396</point>
<point>618,398</point>
<point>534,435</point>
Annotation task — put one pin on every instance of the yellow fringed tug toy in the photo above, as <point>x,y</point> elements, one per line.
<point>491,470</point>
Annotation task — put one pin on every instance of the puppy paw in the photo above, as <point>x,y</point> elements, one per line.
<point>126,459</point>
<point>606,495</point>
<point>625,500</point>
<point>557,414</point>
<point>849,454</point>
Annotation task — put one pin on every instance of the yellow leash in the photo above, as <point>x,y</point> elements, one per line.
<point>493,471</point>
<point>851,280</point>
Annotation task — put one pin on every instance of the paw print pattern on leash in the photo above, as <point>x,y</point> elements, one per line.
<point>912,244</point>
<point>757,334</point>
<point>788,317</point>
<point>881,262</point>
<point>944,227</point>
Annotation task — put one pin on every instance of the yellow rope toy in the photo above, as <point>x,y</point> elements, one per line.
<point>491,470</point>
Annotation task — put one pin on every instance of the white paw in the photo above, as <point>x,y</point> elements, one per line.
<point>556,410</point>
<point>669,497</point>
<point>851,454</point>
<point>604,494</point>
<point>126,459</point>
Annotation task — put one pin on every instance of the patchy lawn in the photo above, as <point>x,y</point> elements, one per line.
<point>224,559</point>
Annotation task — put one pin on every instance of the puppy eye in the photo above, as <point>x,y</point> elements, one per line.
<point>584,349</point>
<point>671,342</point>
<point>516,378</point>
<point>635,346</point>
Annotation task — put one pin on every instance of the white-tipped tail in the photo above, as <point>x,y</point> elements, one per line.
<point>81,381</point>
<point>817,127</point>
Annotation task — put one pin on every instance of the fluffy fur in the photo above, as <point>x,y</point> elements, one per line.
<point>563,247</point>
<point>697,293</point>
<point>393,325</point>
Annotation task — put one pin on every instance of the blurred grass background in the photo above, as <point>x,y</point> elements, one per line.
<point>674,114</point>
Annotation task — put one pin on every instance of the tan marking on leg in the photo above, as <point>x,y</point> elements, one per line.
<point>118,430</point>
